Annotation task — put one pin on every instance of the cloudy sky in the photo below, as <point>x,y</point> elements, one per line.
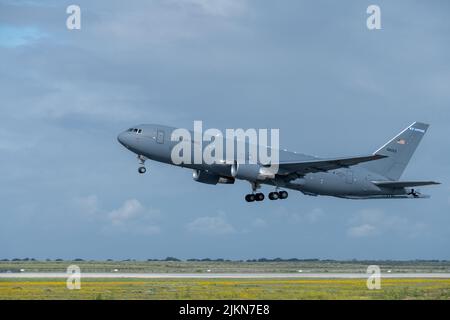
<point>310,68</point>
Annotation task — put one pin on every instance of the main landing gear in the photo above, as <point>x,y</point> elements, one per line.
<point>278,195</point>
<point>254,197</point>
<point>142,169</point>
<point>260,196</point>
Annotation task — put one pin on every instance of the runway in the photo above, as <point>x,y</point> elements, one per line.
<point>44,275</point>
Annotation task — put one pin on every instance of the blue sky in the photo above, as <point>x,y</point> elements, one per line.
<point>11,37</point>
<point>310,68</point>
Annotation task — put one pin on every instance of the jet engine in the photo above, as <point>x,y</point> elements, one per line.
<point>210,178</point>
<point>251,172</point>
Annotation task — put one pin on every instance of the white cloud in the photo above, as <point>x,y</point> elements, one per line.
<point>373,222</point>
<point>215,225</point>
<point>162,23</point>
<point>69,99</point>
<point>314,215</point>
<point>259,223</point>
<point>222,8</point>
<point>362,230</point>
<point>131,217</point>
<point>311,216</point>
<point>368,222</point>
<point>130,209</point>
<point>88,204</point>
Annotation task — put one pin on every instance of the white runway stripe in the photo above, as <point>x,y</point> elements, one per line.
<point>224,275</point>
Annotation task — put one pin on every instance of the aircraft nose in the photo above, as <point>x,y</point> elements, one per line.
<point>122,138</point>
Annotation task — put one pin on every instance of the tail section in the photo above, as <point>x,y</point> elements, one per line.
<point>399,151</point>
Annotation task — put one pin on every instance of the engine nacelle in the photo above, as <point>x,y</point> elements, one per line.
<point>251,172</point>
<point>210,178</point>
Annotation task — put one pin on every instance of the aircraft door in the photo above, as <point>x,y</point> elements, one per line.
<point>349,176</point>
<point>160,136</point>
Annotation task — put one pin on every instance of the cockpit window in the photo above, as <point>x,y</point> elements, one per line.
<point>135,130</point>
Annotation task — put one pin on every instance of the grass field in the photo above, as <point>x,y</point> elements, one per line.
<point>92,288</point>
<point>225,289</point>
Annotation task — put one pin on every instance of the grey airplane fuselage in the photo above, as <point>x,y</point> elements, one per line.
<point>355,182</point>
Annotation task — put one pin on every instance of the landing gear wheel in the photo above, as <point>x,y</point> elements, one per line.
<point>259,196</point>
<point>274,195</point>
<point>250,197</point>
<point>283,194</point>
<point>141,160</point>
<point>142,170</point>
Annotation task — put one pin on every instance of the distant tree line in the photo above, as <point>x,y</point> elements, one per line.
<point>170,259</point>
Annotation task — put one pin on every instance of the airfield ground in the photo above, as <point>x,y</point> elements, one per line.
<point>225,288</point>
<point>312,266</point>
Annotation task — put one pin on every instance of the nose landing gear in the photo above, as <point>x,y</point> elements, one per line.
<point>142,170</point>
<point>141,160</point>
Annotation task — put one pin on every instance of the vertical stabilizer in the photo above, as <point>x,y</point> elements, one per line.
<point>399,151</point>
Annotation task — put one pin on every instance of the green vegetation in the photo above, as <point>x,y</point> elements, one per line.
<point>92,288</point>
<point>172,265</point>
<point>225,289</point>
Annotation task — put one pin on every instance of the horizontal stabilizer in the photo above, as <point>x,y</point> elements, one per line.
<point>320,165</point>
<point>403,184</point>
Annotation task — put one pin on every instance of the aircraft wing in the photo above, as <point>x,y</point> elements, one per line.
<point>321,165</point>
<point>403,184</point>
